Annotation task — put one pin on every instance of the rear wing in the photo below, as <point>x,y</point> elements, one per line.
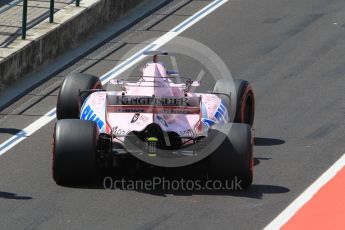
<point>188,83</point>
<point>155,52</point>
<point>145,104</point>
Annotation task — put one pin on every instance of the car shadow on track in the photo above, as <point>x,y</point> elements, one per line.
<point>13,196</point>
<point>257,160</point>
<point>173,178</point>
<point>10,131</point>
<point>255,191</point>
<point>136,181</point>
<point>263,141</point>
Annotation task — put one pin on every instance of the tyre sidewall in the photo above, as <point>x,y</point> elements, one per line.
<point>69,102</point>
<point>74,151</point>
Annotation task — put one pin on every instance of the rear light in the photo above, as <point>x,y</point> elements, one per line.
<point>151,146</point>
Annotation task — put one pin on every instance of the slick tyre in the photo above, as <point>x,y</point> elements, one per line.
<point>245,105</point>
<point>74,151</point>
<point>233,159</point>
<point>69,101</point>
<point>242,92</point>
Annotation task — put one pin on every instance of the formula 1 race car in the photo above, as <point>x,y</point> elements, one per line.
<point>155,119</point>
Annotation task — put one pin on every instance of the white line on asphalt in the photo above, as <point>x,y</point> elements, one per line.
<point>307,195</point>
<point>45,119</point>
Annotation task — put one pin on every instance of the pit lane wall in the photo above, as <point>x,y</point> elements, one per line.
<point>48,40</point>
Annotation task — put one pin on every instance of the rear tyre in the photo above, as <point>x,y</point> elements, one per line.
<point>245,103</point>
<point>232,161</point>
<point>74,151</point>
<point>69,102</point>
<point>245,106</point>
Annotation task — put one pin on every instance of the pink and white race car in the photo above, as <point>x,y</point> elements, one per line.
<point>156,120</point>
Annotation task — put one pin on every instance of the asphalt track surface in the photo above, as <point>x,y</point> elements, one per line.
<point>293,54</point>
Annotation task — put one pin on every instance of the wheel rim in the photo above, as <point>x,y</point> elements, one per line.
<point>247,110</point>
